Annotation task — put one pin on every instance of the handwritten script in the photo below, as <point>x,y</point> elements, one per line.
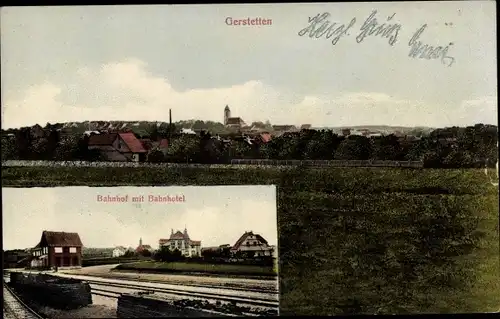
<point>321,26</point>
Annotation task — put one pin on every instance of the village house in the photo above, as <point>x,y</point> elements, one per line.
<point>253,243</point>
<point>182,242</point>
<point>141,248</point>
<point>57,249</point>
<point>232,122</point>
<point>284,128</point>
<point>118,146</point>
<point>161,145</point>
<point>119,251</point>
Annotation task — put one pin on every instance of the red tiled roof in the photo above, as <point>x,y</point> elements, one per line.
<point>266,137</point>
<point>62,239</point>
<point>143,247</point>
<point>102,139</point>
<point>163,143</point>
<point>132,142</point>
<point>146,143</point>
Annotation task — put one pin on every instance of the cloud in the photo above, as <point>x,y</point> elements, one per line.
<point>128,90</point>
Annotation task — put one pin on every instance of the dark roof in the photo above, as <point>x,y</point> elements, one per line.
<point>178,235</point>
<point>62,239</point>
<point>283,127</point>
<point>102,139</point>
<point>245,235</point>
<point>235,120</point>
<point>213,248</point>
<point>227,107</point>
<point>132,142</point>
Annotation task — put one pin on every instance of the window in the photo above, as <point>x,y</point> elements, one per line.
<point>58,250</point>
<point>254,243</point>
<point>72,250</point>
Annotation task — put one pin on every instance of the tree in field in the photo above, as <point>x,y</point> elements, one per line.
<point>155,156</point>
<point>23,142</point>
<point>9,149</point>
<point>184,149</point>
<point>354,148</point>
<point>386,148</point>
<point>240,149</point>
<point>166,255</point>
<point>129,253</point>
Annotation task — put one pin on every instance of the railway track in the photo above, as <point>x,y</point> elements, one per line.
<point>15,308</point>
<point>180,283</point>
<point>102,289</point>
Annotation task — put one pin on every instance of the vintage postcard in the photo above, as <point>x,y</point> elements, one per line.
<point>376,123</point>
<point>107,252</point>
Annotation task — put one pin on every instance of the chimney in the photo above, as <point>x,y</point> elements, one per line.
<point>169,124</point>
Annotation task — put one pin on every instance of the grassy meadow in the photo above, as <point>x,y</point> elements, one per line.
<point>185,267</point>
<point>354,240</point>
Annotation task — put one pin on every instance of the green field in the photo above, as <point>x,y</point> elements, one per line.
<point>355,240</point>
<point>87,262</point>
<point>183,267</point>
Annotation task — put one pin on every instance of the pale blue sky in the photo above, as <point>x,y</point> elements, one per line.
<point>216,215</point>
<point>77,63</point>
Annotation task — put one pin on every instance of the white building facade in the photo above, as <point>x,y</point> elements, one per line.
<point>182,242</point>
<point>119,251</point>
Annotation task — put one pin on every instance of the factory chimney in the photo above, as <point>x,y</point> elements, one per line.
<point>169,124</point>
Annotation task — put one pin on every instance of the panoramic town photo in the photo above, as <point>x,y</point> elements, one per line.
<point>376,122</point>
<point>108,252</point>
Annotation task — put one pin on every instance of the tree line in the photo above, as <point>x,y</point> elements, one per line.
<point>454,147</point>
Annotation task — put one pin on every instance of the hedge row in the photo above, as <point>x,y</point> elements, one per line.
<point>357,180</point>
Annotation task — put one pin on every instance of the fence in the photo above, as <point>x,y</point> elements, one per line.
<point>329,163</point>
<point>235,163</point>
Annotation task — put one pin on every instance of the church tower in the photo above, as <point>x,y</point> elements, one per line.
<point>227,114</point>
<point>140,242</point>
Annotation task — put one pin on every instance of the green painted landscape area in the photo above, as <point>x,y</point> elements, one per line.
<point>191,267</point>
<point>354,240</point>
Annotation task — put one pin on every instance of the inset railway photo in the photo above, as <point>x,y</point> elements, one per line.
<point>111,252</point>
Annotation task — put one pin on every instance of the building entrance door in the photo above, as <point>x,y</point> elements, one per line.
<point>58,262</point>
